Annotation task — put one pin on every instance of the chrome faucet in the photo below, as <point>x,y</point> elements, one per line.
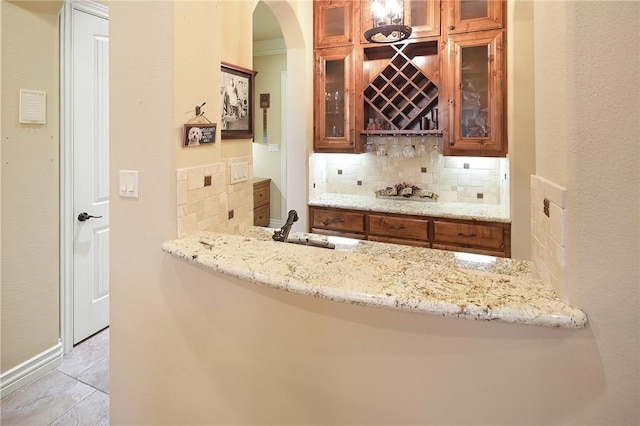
<point>283,233</point>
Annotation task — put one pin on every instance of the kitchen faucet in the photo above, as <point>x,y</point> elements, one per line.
<point>283,233</point>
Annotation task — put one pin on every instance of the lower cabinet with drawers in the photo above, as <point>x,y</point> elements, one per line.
<point>261,203</point>
<point>471,236</point>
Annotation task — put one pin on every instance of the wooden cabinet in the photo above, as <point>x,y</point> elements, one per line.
<point>261,201</point>
<point>337,222</point>
<point>474,70</point>
<point>334,94</point>
<point>471,236</point>
<point>476,92</point>
<point>485,238</point>
<point>398,227</point>
<point>465,16</point>
<point>400,87</point>
<point>333,22</point>
<point>449,77</point>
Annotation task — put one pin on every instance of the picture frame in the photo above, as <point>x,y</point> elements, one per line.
<point>236,93</point>
<point>198,134</point>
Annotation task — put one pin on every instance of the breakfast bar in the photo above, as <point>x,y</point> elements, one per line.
<point>384,275</point>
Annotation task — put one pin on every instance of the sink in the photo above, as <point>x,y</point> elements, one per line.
<point>310,240</point>
<point>329,242</point>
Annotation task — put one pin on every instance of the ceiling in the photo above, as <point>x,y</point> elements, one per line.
<point>265,24</point>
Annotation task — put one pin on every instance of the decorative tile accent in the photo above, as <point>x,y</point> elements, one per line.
<point>205,198</point>
<point>548,232</point>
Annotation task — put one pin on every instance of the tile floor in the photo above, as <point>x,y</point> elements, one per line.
<point>75,393</point>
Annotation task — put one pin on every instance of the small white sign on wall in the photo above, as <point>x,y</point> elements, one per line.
<point>33,107</point>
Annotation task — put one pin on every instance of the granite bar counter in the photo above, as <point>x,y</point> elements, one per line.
<point>385,276</point>
<point>467,211</point>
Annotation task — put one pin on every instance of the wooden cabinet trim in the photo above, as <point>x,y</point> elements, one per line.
<point>478,236</point>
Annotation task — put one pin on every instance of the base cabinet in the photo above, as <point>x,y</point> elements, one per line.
<point>261,202</point>
<point>470,236</point>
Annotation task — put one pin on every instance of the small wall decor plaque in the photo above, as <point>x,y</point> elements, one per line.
<point>196,134</point>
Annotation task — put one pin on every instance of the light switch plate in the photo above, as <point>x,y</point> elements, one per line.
<point>239,172</point>
<point>128,185</point>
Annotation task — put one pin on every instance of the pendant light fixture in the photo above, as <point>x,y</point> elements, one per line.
<point>387,18</point>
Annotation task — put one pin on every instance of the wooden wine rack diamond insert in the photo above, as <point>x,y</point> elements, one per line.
<point>401,93</point>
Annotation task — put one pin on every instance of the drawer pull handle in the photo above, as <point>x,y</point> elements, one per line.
<point>397,227</point>
<point>332,220</point>
<point>460,234</point>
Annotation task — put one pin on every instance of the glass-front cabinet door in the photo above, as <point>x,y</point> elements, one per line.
<point>333,23</point>
<point>474,15</point>
<point>476,94</point>
<point>334,100</point>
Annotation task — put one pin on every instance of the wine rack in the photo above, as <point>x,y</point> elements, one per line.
<point>401,93</point>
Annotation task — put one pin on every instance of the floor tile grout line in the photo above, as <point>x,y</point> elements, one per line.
<point>85,383</point>
<point>74,406</point>
<point>91,366</point>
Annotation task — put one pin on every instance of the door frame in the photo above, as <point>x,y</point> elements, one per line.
<point>67,213</point>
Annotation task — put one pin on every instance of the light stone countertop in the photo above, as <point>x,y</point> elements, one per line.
<point>468,211</point>
<point>385,276</point>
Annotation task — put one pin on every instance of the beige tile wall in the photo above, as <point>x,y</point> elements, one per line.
<point>549,233</point>
<point>363,174</point>
<point>201,207</point>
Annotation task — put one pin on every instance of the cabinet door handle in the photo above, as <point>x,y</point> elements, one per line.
<point>332,220</point>
<point>452,27</point>
<point>397,227</point>
<point>460,234</point>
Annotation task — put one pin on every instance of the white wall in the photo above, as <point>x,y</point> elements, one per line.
<point>588,140</point>
<point>268,164</point>
<point>29,192</point>
<point>211,349</point>
<point>521,118</point>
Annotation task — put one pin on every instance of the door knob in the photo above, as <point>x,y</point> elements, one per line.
<point>86,216</point>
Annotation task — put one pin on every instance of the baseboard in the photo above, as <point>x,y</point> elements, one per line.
<point>30,370</point>
<point>274,223</point>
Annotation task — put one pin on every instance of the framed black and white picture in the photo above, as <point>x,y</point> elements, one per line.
<point>197,134</point>
<point>236,92</point>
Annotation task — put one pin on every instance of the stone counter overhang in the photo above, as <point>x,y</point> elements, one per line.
<point>385,276</point>
<point>467,211</point>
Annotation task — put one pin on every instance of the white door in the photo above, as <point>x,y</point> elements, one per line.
<point>90,87</point>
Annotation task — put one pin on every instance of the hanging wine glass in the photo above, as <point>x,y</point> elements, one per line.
<point>408,150</point>
<point>421,149</point>
<point>381,147</point>
<point>369,147</point>
<point>395,151</point>
<point>436,154</point>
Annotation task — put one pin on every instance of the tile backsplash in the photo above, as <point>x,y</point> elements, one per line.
<point>454,179</point>
<point>206,198</point>
<point>549,233</point>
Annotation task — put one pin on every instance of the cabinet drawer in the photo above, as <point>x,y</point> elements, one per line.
<point>469,235</point>
<point>398,227</point>
<point>341,221</point>
<point>261,216</point>
<point>260,195</point>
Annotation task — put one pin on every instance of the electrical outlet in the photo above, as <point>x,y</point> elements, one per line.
<point>545,207</point>
<point>207,181</point>
<point>230,214</point>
